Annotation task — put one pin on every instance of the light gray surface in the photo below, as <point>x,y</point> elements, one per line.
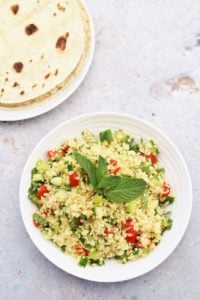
<point>146,64</point>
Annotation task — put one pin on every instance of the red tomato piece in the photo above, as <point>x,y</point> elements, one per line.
<point>166,190</point>
<point>45,213</point>
<point>137,244</point>
<point>131,238</point>
<point>113,162</point>
<point>132,234</point>
<point>52,154</point>
<point>73,179</point>
<point>36,223</point>
<point>108,231</point>
<point>65,150</point>
<point>153,158</point>
<point>81,251</point>
<point>52,211</point>
<point>42,190</point>
<point>142,154</point>
<point>115,171</point>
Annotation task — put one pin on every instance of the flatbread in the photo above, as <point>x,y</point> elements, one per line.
<point>41,45</point>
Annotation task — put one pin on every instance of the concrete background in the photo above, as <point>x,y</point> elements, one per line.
<point>147,63</point>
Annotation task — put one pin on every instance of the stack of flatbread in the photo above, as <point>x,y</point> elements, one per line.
<point>42,47</point>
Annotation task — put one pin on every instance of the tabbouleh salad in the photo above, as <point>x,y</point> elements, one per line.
<point>101,198</point>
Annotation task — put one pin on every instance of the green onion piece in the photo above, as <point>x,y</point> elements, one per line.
<point>83,261</point>
<point>39,219</point>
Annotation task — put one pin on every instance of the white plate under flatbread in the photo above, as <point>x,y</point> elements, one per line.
<point>42,44</point>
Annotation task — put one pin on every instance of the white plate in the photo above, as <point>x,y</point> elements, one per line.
<point>176,171</point>
<point>30,111</point>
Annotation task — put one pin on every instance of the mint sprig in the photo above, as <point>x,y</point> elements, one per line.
<point>88,167</point>
<point>114,188</point>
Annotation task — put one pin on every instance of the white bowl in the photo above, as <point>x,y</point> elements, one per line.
<point>176,172</point>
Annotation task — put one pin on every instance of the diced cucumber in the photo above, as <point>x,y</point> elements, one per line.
<point>57,181</point>
<point>99,212</point>
<point>98,200</point>
<point>42,166</point>
<point>37,177</point>
<point>131,206</point>
<point>94,255</point>
<point>62,194</point>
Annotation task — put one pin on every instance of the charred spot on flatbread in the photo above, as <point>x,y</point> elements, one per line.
<point>60,7</point>
<point>15,8</point>
<point>15,84</point>
<point>61,42</point>
<point>18,66</point>
<point>30,29</point>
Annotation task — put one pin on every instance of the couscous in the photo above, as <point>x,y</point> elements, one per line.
<point>102,197</point>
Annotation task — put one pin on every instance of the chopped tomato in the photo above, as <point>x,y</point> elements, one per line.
<point>151,156</point>
<point>42,190</point>
<point>142,154</point>
<point>45,213</point>
<point>113,162</point>
<point>115,171</point>
<point>108,231</point>
<point>166,190</point>
<point>131,238</point>
<point>65,150</point>
<point>73,179</point>
<point>132,234</point>
<point>137,244</point>
<point>51,154</point>
<point>36,223</point>
<point>81,251</point>
<point>128,225</point>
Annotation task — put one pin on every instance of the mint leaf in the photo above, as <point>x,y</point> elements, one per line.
<point>106,135</point>
<point>88,167</point>
<point>109,182</point>
<point>101,169</point>
<point>128,189</point>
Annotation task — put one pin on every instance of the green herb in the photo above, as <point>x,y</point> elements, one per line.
<point>168,199</point>
<point>135,251</point>
<point>155,149</point>
<point>109,182</point>
<point>63,248</point>
<point>73,224</point>
<point>69,167</point>
<point>106,135</point>
<point>88,167</point>
<point>128,189</point>
<point>132,145</point>
<point>96,262</point>
<point>166,225</point>
<point>83,261</point>
<point>39,219</point>
<point>101,171</point>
